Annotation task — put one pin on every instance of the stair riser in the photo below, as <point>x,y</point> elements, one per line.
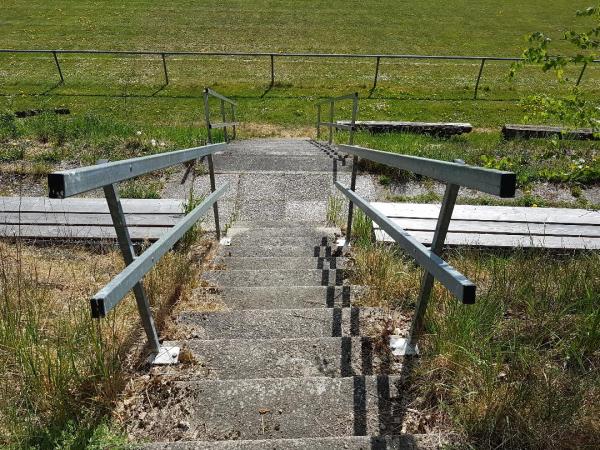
<point>288,297</point>
<point>283,358</point>
<point>284,323</point>
<point>239,278</point>
<point>285,251</point>
<point>264,263</point>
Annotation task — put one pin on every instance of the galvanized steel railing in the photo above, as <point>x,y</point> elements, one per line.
<point>106,175</point>
<point>455,175</point>
<point>377,57</point>
<point>330,124</point>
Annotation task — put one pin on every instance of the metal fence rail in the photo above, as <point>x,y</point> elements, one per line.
<point>163,55</point>
<point>106,175</point>
<point>454,174</point>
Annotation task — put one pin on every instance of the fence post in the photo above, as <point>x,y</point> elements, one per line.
<point>143,305</point>
<point>581,73</point>
<point>272,70</point>
<point>376,73</point>
<point>62,80</point>
<point>211,171</point>
<point>164,61</point>
<point>478,78</point>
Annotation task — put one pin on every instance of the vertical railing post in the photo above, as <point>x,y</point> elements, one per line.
<point>331,122</point>
<point>376,73</point>
<point>351,204</point>
<point>224,119</point>
<point>164,61</point>
<point>211,167</point>
<point>62,79</point>
<point>353,119</point>
<point>233,119</point>
<point>318,121</point>
<point>437,245</point>
<point>478,78</point>
<point>143,305</point>
<point>581,73</point>
<point>207,117</point>
<point>272,71</point>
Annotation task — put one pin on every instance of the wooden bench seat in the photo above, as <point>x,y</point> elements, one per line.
<point>498,226</point>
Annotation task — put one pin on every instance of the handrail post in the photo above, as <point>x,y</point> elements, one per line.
<point>331,122</point>
<point>437,244</point>
<point>233,120</point>
<point>581,73</point>
<point>143,305</point>
<point>318,121</point>
<point>478,78</point>
<point>164,61</point>
<point>272,70</point>
<point>376,73</point>
<point>62,79</point>
<point>211,171</point>
<point>211,168</point>
<point>353,120</point>
<point>224,118</point>
<point>350,203</point>
<point>207,117</point>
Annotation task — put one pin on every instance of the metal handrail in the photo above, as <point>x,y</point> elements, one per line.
<point>208,92</point>
<point>330,124</point>
<point>106,175</point>
<point>454,174</point>
<point>272,55</point>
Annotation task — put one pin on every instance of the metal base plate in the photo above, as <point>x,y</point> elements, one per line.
<point>166,356</point>
<point>402,347</point>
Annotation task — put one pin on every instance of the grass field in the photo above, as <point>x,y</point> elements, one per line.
<point>131,88</point>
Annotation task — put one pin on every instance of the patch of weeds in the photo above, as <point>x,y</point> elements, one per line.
<point>8,126</point>
<point>140,188</point>
<point>518,369</point>
<point>385,180</point>
<point>391,278</point>
<point>362,229</point>
<point>334,211</point>
<point>193,233</point>
<point>12,153</point>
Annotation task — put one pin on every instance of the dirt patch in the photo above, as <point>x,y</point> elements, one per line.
<point>265,130</point>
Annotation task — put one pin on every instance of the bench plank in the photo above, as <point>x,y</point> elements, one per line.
<point>434,128</point>
<point>499,226</point>
<point>89,205</point>
<point>511,131</point>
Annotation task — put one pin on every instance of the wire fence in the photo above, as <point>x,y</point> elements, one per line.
<point>164,56</point>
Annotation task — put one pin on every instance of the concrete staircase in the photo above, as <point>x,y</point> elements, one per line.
<point>291,364</point>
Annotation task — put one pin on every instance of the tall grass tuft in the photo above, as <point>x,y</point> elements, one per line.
<point>62,371</point>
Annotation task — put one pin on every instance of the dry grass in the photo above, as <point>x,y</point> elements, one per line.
<point>62,370</point>
<point>521,367</point>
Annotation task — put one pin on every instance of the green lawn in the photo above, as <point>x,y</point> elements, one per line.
<point>131,88</point>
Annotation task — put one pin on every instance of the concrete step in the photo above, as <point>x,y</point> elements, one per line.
<point>271,232</point>
<point>224,359</point>
<point>282,323</point>
<point>403,442</point>
<point>288,297</point>
<point>276,250</point>
<point>274,408</point>
<point>281,241</point>
<point>280,262</point>
<point>274,277</point>
<point>227,163</point>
